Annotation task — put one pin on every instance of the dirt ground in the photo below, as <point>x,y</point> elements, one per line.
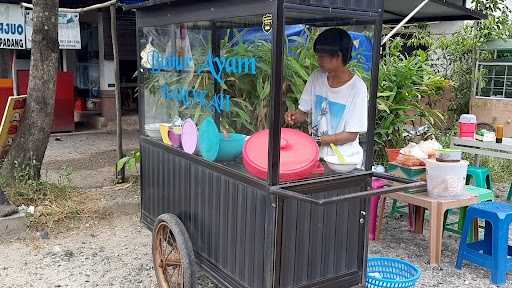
<point>115,250</point>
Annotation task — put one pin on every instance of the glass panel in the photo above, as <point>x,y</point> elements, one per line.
<point>504,55</point>
<point>498,83</point>
<point>497,71</point>
<point>213,75</point>
<point>485,92</point>
<point>326,97</point>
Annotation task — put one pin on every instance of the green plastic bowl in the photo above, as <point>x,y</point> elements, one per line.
<point>230,148</point>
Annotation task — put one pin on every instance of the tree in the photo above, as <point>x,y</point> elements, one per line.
<point>460,49</point>
<point>456,54</point>
<point>30,145</point>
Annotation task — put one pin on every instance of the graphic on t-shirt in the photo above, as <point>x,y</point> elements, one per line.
<point>327,116</point>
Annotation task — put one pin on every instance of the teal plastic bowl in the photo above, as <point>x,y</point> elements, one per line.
<point>230,148</point>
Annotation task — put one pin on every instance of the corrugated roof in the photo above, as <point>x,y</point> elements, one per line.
<point>394,10</point>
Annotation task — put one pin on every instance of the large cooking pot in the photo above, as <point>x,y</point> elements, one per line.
<point>299,155</point>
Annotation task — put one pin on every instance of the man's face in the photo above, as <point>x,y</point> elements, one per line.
<point>327,62</point>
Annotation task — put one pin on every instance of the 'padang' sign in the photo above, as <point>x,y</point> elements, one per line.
<point>12,27</point>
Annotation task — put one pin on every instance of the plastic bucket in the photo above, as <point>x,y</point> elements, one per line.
<point>446,179</point>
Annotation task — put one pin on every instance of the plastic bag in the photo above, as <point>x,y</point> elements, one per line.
<point>429,147</point>
<point>414,150</point>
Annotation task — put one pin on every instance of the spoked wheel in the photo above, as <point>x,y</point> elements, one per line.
<point>173,256</point>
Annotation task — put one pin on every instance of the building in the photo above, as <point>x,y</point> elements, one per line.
<point>89,101</point>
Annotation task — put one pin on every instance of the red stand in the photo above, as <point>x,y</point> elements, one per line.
<point>63,120</point>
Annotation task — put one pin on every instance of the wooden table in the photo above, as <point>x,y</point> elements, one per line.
<point>437,209</point>
<point>479,148</point>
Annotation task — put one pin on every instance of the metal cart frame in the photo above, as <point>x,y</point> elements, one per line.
<point>251,233</point>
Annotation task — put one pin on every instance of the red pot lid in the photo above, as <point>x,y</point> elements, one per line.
<point>299,154</point>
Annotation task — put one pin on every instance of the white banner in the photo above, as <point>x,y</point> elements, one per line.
<point>12,27</point>
<point>69,30</point>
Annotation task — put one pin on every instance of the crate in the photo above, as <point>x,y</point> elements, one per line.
<point>413,173</point>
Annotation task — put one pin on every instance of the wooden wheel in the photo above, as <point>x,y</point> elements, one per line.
<point>173,256</point>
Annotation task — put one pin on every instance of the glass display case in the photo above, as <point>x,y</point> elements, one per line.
<point>207,91</point>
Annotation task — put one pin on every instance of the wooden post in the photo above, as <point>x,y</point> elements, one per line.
<point>14,75</point>
<point>120,176</point>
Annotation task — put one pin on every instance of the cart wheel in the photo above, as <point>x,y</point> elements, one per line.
<point>173,256</point>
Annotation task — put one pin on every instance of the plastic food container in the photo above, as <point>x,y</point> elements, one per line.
<point>189,136</point>
<point>299,155</point>
<point>449,155</point>
<point>214,146</point>
<point>175,136</point>
<point>467,126</point>
<point>334,164</point>
<point>164,132</point>
<point>446,179</point>
<point>231,147</point>
<point>209,139</point>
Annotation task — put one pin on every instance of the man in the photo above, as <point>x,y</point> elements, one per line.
<point>336,98</point>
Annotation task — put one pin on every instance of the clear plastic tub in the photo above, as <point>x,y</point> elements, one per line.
<point>446,180</point>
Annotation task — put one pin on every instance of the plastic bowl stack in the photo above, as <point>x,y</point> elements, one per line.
<point>152,130</point>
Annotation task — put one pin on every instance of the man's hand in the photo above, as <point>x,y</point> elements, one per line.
<point>295,117</point>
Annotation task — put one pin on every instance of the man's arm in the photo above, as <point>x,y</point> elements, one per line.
<point>339,138</point>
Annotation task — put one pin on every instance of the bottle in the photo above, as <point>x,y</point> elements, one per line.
<point>499,133</point>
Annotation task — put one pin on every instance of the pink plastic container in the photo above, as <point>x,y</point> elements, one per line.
<point>299,155</point>
<point>374,205</point>
<point>467,126</point>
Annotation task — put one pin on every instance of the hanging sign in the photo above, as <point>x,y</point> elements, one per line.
<point>266,23</point>
<point>11,123</point>
<point>69,30</point>
<point>12,27</point>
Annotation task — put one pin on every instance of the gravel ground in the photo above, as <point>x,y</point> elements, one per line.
<point>396,241</point>
<point>116,251</point>
<point>90,157</point>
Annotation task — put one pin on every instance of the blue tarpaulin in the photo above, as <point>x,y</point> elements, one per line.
<point>362,51</point>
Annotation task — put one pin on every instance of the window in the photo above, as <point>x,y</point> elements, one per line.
<point>495,80</point>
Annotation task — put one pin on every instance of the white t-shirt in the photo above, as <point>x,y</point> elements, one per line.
<point>335,110</point>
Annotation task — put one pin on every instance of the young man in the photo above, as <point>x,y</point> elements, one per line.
<point>336,98</point>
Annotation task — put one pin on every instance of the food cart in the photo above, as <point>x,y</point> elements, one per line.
<point>223,181</point>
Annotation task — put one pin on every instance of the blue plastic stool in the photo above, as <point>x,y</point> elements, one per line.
<point>491,252</point>
<point>481,177</point>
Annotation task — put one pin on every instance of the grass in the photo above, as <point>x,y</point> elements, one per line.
<point>57,204</point>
